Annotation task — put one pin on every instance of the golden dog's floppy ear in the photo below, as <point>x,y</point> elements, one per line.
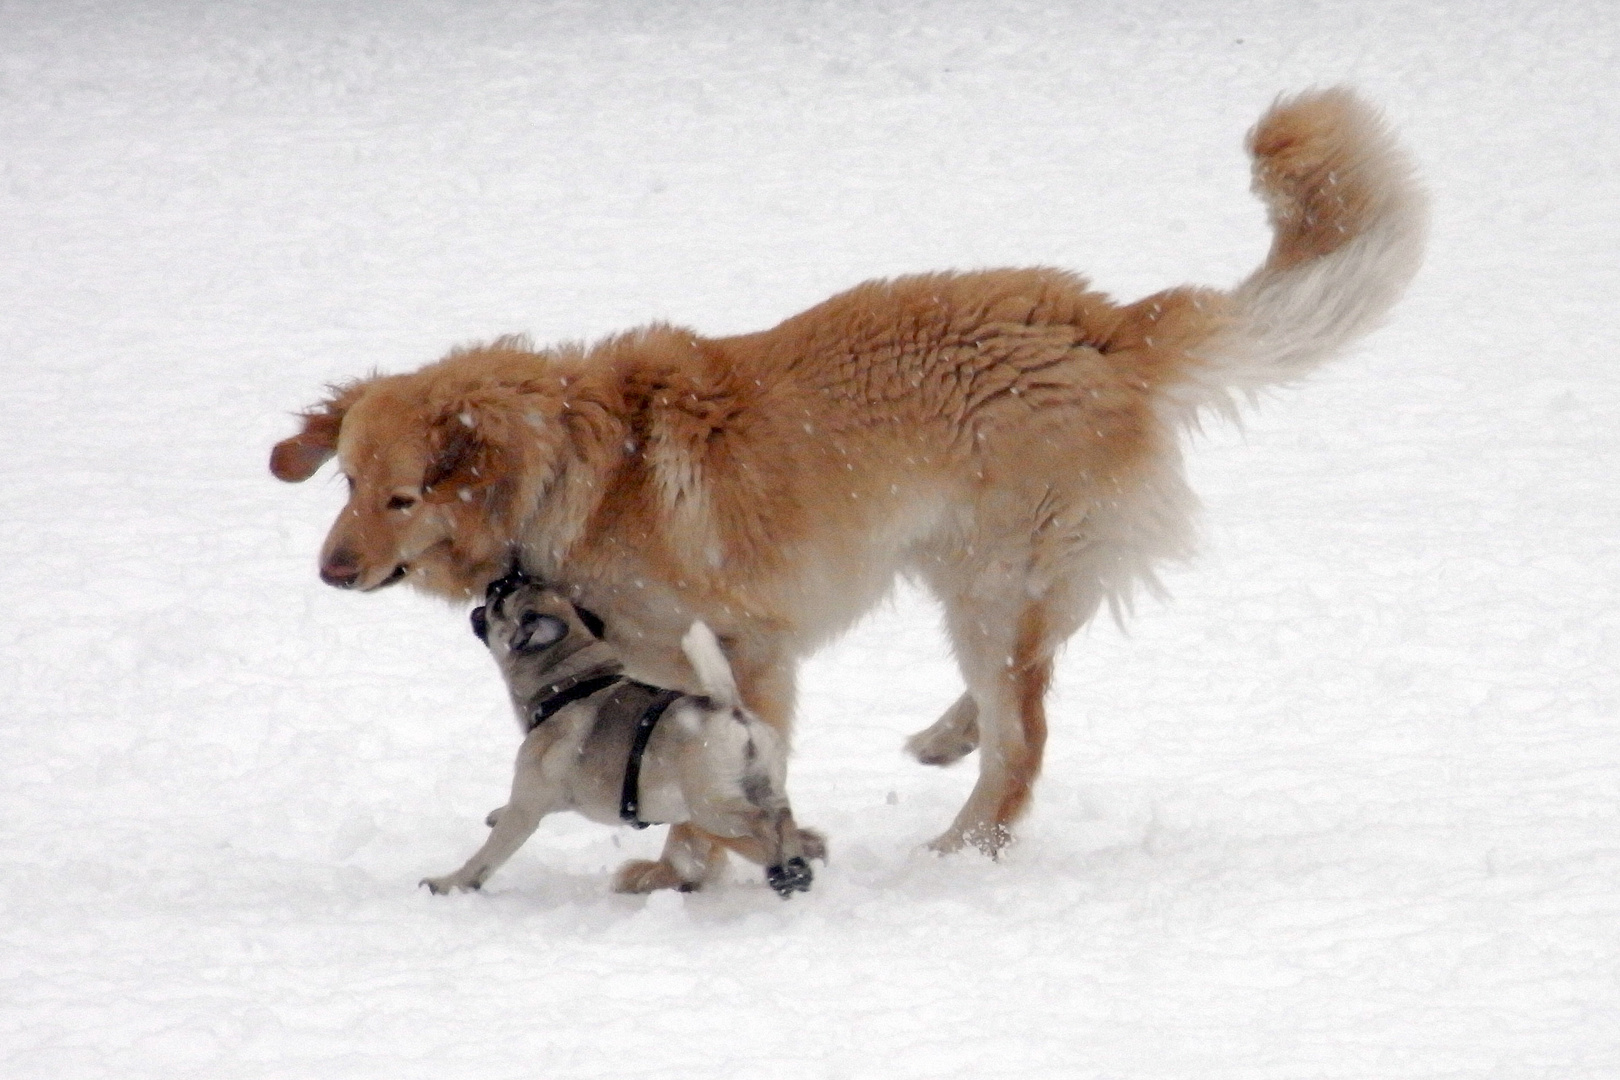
<point>483,449</point>
<point>297,458</point>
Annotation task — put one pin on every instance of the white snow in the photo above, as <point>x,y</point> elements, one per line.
<point>1348,805</point>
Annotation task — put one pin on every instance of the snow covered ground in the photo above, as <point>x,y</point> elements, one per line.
<point>1347,806</point>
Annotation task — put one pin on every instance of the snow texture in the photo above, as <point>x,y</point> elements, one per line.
<point>1346,806</point>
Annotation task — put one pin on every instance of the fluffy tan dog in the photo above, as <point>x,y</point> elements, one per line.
<point>1009,438</point>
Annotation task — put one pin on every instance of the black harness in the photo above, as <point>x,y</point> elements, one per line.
<point>564,692</point>
<point>630,796</point>
<point>647,703</point>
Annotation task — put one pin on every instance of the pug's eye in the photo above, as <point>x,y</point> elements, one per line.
<point>402,502</point>
<point>480,624</point>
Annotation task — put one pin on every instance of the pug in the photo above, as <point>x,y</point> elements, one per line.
<point>621,751</point>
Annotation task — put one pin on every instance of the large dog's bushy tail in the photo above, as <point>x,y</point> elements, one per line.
<point>702,649</point>
<point>1349,221</point>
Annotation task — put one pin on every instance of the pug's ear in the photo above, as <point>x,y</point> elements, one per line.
<point>297,458</point>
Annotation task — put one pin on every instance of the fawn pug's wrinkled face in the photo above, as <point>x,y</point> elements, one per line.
<point>535,634</point>
<point>515,605</point>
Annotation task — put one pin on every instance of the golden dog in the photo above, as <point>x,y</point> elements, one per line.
<point>1009,438</point>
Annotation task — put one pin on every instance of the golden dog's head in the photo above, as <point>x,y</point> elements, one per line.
<point>436,469</point>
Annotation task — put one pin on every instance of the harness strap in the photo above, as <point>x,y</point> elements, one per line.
<point>630,799</point>
<point>578,687</point>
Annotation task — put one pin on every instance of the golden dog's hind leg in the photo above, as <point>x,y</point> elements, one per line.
<point>1007,680</point>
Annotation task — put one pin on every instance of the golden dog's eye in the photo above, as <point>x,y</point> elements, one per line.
<point>402,502</point>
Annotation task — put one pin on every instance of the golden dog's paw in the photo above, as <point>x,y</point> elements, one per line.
<point>988,839</point>
<point>949,739</point>
<point>649,875</point>
<point>930,750</point>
